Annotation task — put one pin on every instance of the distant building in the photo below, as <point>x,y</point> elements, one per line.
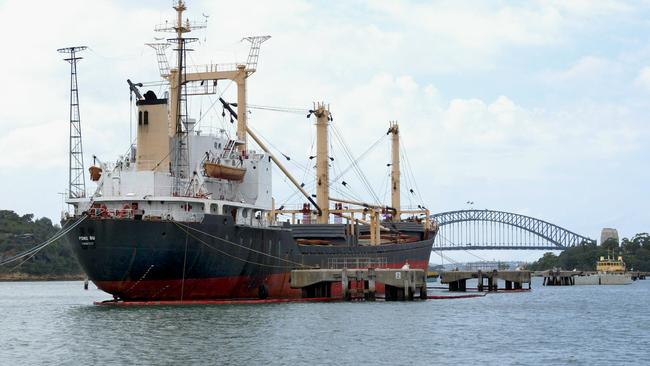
<point>483,266</point>
<point>608,233</point>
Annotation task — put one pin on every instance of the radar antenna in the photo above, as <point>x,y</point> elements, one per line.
<point>76,175</point>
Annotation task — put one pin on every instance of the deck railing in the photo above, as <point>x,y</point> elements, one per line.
<point>357,262</point>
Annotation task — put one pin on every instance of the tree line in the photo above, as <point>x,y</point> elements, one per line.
<point>635,252</point>
<point>20,233</point>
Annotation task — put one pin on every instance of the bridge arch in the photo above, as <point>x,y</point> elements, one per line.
<point>477,227</point>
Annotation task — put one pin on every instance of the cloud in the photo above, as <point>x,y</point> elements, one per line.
<point>465,140</point>
<point>454,74</point>
<point>587,68</point>
<point>643,79</point>
<point>588,9</point>
<point>34,148</point>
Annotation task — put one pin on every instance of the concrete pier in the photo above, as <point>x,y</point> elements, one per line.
<point>398,284</point>
<point>514,280</point>
<point>559,278</point>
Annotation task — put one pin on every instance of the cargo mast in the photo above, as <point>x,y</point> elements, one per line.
<point>76,175</point>
<point>244,71</point>
<point>322,162</point>
<point>395,170</point>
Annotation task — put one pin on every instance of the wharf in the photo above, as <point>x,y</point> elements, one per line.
<point>348,284</point>
<point>514,280</point>
<point>559,277</point>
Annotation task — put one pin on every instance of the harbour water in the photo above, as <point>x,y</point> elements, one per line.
<point>56,323</point>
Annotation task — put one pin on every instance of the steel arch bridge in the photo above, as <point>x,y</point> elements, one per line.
<point>488,229</point>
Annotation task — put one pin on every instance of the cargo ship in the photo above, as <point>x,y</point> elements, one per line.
<point>190,216</point>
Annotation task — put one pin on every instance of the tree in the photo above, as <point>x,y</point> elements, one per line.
<point>642,239</point>
<point>548,261</point>
<point>636,254</point>
<point>629,246</point>
<point>610,244</point>
<point>21,233</point>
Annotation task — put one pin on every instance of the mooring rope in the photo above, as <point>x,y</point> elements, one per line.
<point>31,252</point>
<point>182,226</point>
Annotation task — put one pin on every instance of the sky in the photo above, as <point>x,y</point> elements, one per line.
<point>537,107</point>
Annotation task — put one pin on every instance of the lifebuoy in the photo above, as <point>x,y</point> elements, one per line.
<point>124,212</point>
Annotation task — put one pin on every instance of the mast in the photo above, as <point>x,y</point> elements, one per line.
<point>240,80</point>
<point>322,162</point>
<point>178,78</point>
<point>243,72</point>
<point>180,150</point>
<point>76,175</point>
<point>395,170</point>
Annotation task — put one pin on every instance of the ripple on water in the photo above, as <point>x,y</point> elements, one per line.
<point>55,322</point>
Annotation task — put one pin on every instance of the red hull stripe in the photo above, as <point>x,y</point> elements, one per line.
<point>208,302</point>
<point>275,286</point>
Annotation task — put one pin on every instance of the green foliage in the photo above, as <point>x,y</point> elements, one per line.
<point>610,244</point>
<point>20,233</point>
<point>548,260</point>
<point>635,252</point>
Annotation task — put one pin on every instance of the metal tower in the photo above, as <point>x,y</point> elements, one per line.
<point>76,176</point>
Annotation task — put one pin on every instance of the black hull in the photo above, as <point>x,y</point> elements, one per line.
<point>214,259</point>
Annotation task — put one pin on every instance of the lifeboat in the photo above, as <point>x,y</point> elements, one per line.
<point>221,171</point>
<point>95,173</point>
